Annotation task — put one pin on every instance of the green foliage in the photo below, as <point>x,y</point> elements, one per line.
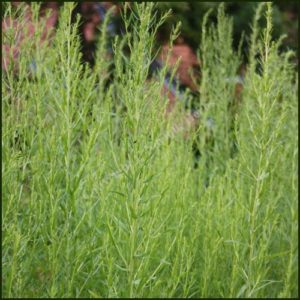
<point>101,197</point>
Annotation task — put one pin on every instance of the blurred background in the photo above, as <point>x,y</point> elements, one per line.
<point>190,14</point>
<point>285,18</point>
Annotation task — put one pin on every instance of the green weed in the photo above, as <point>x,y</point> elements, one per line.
<point>101,198</point>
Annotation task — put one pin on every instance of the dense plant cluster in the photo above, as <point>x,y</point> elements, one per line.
<point>103,194</point>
